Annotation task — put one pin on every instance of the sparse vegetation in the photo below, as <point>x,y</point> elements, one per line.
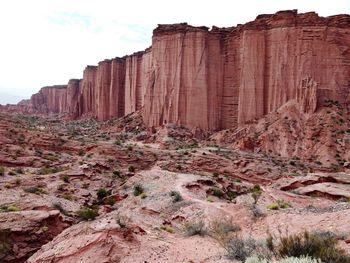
<point>9,208</point>
<point>65,178</point>
<point>256,212</point>
<point>176,196</point>
<point>210,199</point>
<point>2,171</point>
<point>220,230</point>
<point>168,228</point>
<point>192,228</point>
<point>131,169</point>
<point>217,192</point>
<point>280,204</point>
<point>256,192</point>
<point>284,260</point>
<point>5,246</point>
<point>101,193</point>
<point>238,248</point>
<point>110,200</point>
<point>35,190</point>
<point>60,208</point>
<point>322,245</point>
<point>117,173</point>
<point>86,213</point>
<point>138,189</point>
<point>215,174</point>
<point>143,195</point>
<point>123,221</point>
<point>49,170</point>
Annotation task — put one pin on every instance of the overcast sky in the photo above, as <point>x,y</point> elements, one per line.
<point>46,42</point>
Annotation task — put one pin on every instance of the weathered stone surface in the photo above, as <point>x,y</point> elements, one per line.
<point>187,78</point>
<point>133,83</point>
<point>219,78</point>
<point>52,99</point>
<point>103,83</point>
<point>27,231</point>
<point>87,99</point>
<point>73,90</point>
<point>117,91</point>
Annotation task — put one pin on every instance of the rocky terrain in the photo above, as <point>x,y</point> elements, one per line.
<point>209,146</point>
<point>82,190</point>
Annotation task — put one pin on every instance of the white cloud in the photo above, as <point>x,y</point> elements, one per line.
<point>45,42</point>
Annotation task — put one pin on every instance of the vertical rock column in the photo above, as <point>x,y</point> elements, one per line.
<point>87,99</point>
<point>72,97</point>
<point>103,83</point>
<point>251,92</point>
<point>186,85</point>
<point>117,88</point>
<point>133,83</point>
<point>231,81</point>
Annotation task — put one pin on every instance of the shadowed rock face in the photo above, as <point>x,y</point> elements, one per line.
<point>219,78</point>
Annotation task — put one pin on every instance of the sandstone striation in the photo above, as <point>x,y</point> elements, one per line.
<point>217,79</point>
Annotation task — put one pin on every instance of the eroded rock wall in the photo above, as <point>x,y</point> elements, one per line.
<point>87,98</point>
<point>220,78</point>
<point>72,93</point>
<point>51,99</point>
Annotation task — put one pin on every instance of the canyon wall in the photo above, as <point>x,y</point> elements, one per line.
<point>219,78</point>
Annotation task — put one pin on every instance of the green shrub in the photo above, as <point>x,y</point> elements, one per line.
<point>86,213</point>
<point>117,173</point>
<point>210,199</point>
<point>240,249</point>
<point>2,170</point>
<point>217,192</point>
<point>195,228</point>
<point>256,192</point>
<point>176,196</point>
<point>143,195</point>
<point>9,208</point>
<point>283,204</point>
<point>215,174</point>
<point>35,190</point>
<point>110,200</point>
<point>284,260</point>
<point>138,189</point>
<point>68,196</point>
<point>220,230</point>
<point>65,178</point>
<point>49,170</point>
<point>19,171</point>
<point>280,204</point>
<point>5,246</point>
<point>167,228</point>
<point>273,206</point>
<point>101,193</point>
<point>131,169</point>
<point>322,245</point>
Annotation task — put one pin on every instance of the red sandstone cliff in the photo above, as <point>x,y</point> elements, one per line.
<point>216,79</point>
<point>50,99</point>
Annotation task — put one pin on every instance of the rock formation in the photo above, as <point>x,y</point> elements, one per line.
<point>219,78</point>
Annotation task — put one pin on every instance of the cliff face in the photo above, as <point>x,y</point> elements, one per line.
<point>51,99</point>
<point>217,79</point>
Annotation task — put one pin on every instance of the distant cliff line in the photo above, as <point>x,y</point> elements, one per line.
<point>215,79</point>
